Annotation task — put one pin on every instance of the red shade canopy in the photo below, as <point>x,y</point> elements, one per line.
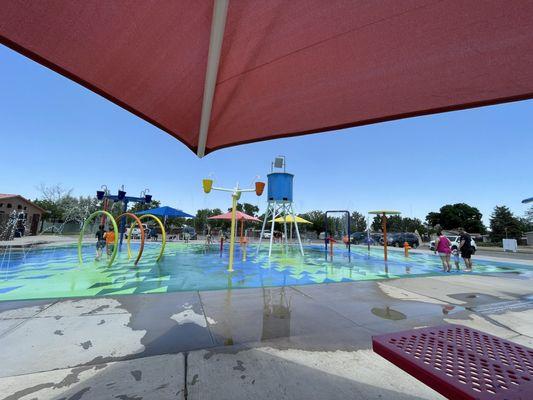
<point>256,70</point>
<point>239,216</point>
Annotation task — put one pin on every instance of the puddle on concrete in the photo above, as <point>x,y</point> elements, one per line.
<point>388,313</point>
<point>276,315</point>
<point>475,299</point>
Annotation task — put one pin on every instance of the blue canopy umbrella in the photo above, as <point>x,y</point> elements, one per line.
<point>166,212</point>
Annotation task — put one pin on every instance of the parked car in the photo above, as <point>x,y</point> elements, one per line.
<point>398,239</point>
<point>267,234</point>
<point>136,232</point>
<point>455,241</point>
<point>376,237</point>
<point>358,237</point>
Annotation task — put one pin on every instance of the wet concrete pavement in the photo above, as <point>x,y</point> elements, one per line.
<point>293,342</point>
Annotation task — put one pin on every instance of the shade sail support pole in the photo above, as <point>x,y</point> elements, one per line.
<point>218,24</point>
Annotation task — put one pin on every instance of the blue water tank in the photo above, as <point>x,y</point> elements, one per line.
<point>280,186</point>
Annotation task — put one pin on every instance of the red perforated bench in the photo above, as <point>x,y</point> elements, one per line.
<point>460,362</point>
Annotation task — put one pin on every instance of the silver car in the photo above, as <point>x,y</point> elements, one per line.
<point>455,241</point>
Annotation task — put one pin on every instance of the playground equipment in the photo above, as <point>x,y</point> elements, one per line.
<point>280,196</point>
<point>161,226</point>
<point>121,196</point>
<point>141,247</point>
<point>137,221</point>
<point>235,196</point>
<point>115,229</point>
<point>383,214</point>
<point>329,239</point>
<point>406,248</point>
<point>239,216</point>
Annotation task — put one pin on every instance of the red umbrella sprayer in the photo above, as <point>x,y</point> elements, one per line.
<point>218,73</point>
<point>239,216</point>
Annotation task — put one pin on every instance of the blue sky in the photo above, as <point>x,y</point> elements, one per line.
<point>55,131</point>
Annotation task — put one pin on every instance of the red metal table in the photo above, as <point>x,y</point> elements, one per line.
<point>460,362</point>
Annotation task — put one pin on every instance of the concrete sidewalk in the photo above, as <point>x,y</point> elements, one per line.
<point>297,342</point>
<point>38,240</point>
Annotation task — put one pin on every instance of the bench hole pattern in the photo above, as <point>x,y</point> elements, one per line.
<point>482,363</point>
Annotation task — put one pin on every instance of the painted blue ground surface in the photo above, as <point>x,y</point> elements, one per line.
<point>55,272</point>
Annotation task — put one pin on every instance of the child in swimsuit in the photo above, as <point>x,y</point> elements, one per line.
<point>109,237</point>
<point>456,259</point>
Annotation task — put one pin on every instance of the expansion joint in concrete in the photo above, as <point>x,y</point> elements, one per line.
<point>185,373</point>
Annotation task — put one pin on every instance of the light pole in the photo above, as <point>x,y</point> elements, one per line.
<point>235,196</point>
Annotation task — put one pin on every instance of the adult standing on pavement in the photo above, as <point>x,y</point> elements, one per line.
<point>442,246</point>
<point>465,247</point>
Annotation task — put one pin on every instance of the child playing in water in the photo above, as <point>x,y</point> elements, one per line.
<point>455,254</point>
<point>109,237</point>
<point>100,242</point>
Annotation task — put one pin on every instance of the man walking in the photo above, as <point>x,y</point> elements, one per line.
<point>465,247</point>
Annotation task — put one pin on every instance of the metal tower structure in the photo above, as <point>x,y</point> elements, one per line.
<point>280,203</point>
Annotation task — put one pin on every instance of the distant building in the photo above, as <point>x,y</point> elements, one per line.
<point>529,238</point>
<point>32,213</point>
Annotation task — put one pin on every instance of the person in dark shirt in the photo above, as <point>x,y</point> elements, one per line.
<point>465,247</point>
<point>100,242</point>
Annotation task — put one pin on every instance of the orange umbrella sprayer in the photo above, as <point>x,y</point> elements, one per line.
<point>235,195</point>
<point>383,214</point>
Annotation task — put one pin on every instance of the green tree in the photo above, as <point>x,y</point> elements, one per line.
<point>357,222</point>
<point>53,212</point>
<point>316,218</point>
<point>452,216</point>
<point>526,225</point>
<point>202,223</point>
<point>337,225</point>
<point>61,206</point>
<point>52,200</point>
<point>396,223</point>
<point>413,224</point>
<point>504,224</point>
<point>247,208</point>
<point>433,218</point>
<point>529,215</point>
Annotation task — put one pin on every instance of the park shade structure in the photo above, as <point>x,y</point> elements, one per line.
<point>219,73</point>
<point>166,212</point>
<point>290,220</point>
